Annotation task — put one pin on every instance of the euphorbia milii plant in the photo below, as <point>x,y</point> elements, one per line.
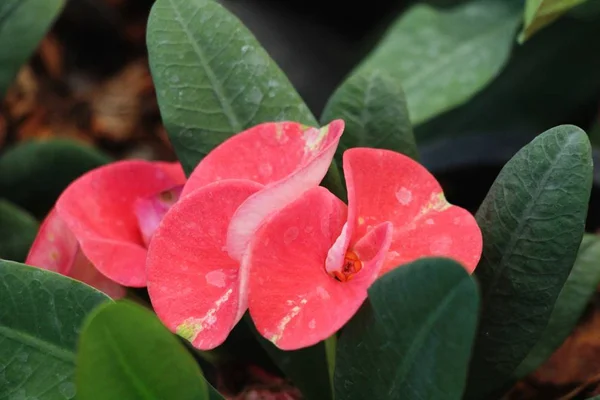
<point>354,279</point>
<point>253,228</point>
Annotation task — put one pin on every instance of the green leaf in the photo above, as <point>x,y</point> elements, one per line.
<point>374,109</point>
<point>23,24</point>
<point>40,318</point>
<point>307,368</point>
<point>213,394</point>
<point>443,58</point>
<point>33,174</point>
<point>126,353</point>
<point>540,13</point>
<point>517,101</point>
<point>532,221</point>
<point>570,305</point>
<point>17,231</point>
<point>412,338</point>
<point>213,78</point>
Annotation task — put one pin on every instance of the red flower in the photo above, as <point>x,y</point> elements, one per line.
<point>195,256</point>
<point>111,213</point>
<point>56,249</point>
<point>311,263</point>
<point>252,228</point>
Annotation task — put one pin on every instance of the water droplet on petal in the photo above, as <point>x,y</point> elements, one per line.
<point>404,196</point>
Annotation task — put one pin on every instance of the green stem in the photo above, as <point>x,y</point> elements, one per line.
<point>330,347</point>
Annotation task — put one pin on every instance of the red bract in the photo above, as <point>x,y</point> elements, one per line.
<point>293,301</point>
<point>195,256</point>
<point>310,264</point>
<point>56,249</point>
<point>102,209</point>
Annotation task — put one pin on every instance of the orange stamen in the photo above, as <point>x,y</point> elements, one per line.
<point>350,267</point>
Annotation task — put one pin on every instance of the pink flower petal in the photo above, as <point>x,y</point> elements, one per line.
<point>83,270</point>
<point>451,232</point>
<point>319,147</point>
<point>265,153</point>
<point>173,169</point>
<point>388,186</point>
<point>292,300</point>
<point>56,249</point>
<point>98,208</point>
<point>192,282</point>
<point>151,210</point>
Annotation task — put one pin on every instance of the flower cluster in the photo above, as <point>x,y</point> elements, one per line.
<point>252,230</point>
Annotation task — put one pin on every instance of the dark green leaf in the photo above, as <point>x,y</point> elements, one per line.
<point>40,318</point>
<point>413,337</point>
<point>539,13</point>
<point>17,231</point>
<point>442,58</point>
<point>374,108</point>
<point>532,221</point>
<point>213,78</point>
<point>23,24</point>
<point>33,174</point>
<point>517,101</point>
<point>307,368</point>
<point>570,305</point>
<point>126,353</point>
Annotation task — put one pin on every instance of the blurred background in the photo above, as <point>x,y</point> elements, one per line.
<point>89,81</point>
